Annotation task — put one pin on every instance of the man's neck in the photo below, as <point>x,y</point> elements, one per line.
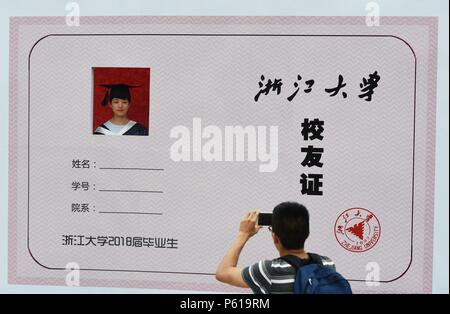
<point>299,253</point>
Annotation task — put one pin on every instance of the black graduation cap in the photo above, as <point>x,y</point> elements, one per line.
<point>121,91</point>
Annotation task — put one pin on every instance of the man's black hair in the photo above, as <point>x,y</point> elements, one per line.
<point>290,222</point>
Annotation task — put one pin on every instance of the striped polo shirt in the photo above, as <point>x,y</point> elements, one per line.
<point>274,276</point>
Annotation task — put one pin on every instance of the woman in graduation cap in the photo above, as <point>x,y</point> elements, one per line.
<point>119,98</point>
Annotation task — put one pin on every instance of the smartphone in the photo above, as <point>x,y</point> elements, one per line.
<point>265,219</point>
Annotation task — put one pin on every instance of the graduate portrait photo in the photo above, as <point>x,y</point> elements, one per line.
<point>121,101</point>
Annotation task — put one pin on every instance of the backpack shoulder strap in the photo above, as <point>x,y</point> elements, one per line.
<point>294,261</point>
<point>316,258</point>
<point>297,262</point>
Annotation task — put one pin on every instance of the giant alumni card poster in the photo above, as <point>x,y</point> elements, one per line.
<point>224,114</point>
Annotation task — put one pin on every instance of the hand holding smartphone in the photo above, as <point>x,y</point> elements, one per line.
<point>264,219</point>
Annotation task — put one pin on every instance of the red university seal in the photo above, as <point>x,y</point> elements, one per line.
<point>357,229</point>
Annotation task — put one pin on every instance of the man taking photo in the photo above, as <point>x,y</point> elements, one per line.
<point>290,229</point>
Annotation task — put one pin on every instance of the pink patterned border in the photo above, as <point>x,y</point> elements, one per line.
<point>430,170</point>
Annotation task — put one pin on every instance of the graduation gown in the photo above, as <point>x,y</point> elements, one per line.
<point>131,128</point>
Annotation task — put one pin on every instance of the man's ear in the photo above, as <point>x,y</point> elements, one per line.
<point>275,238</point>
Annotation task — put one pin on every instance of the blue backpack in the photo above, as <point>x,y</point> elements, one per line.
<point>316,278</point>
